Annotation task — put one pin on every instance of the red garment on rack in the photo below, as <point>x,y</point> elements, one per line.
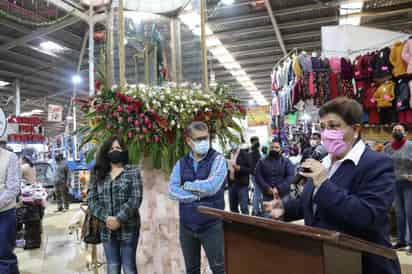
<point>405,117</point>
<point>373,116</point>
<point>334,93</point>
<point>312,91</point>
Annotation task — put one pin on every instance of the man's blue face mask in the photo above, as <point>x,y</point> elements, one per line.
<point>201,147</point>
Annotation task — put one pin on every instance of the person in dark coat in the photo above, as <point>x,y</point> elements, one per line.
<point>255,156</point>
<point>351,190</point>
<point>274,174</point>
<point>314,142</point>
<point>239,175</point>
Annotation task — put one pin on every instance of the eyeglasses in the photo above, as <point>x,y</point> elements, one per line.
<point>199,139</point>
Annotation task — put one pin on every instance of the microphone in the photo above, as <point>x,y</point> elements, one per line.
<point>318,154</point>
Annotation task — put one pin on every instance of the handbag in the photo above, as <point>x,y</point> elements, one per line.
<point>91,229</point>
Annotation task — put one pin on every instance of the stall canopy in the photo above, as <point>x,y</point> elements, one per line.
<point>350,41</point>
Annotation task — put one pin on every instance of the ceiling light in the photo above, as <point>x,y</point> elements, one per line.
<point>228,2</point>
<point>349,12</point>
<point>4,83</point>
<point>51,47</point>
<point>76,79</point>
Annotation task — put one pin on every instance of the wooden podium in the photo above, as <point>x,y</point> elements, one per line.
<point>256,245</point>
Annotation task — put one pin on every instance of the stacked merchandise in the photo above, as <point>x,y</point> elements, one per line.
<point>381,81</point>
<point>30,214</point>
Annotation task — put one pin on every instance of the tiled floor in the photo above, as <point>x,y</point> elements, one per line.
<point>61,253</point>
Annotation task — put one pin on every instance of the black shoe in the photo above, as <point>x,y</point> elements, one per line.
<point>398,246</point>
<point>59,210</point>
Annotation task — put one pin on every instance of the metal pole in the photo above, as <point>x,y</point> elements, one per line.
<point>122,58</point>
<point>176,46</point>
<point>91,52</point>
<point>203,15</point>
<point>18,99</point>
<point>109,49</point>
<point>275,26</point>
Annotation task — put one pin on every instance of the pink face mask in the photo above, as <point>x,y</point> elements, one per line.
<point>333,141</point>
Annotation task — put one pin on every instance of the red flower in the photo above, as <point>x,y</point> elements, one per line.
<point>242,110</point>
<point>156,139</point>
<point>144,130</point>
<point>129,109</point>
<point>136,123</point>
<point>115,114</point>
<point>136,104</point>
<point>228,105</point>
<point>119,95</point>
<point>98,84</point>
<point>142,115</point>
<point>146,120</point>
<point>130,135</point>
<point>119,109</point>
<point>148,139</point>
<point>149,125</point>
<point>130,120</point>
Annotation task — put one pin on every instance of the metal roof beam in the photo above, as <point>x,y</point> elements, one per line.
<point>284,26</point>
<point>38,33</point>
<point>68,8</point>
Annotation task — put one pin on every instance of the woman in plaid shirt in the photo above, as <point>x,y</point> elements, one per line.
<point>115,195</point>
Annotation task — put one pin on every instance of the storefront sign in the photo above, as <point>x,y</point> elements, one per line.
<point>55,113</point>
<point>258,116</point>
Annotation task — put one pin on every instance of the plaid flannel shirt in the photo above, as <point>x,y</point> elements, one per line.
<point>120,198</point>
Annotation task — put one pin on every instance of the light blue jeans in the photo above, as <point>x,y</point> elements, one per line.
<point>121,255</point>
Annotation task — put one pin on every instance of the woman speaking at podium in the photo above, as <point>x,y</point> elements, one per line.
<point>351,190</point>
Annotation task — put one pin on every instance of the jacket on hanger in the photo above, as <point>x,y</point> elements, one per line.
<point>382,66</point>
<point>402,93</point>
<point>347,69</point>
<point>407,54</point>
<point>399,65</point>
<point>335,65</point>
<point>297,69</point>
<point>385,94</point>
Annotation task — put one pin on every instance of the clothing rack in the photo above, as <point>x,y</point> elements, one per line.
<point>294,50</point>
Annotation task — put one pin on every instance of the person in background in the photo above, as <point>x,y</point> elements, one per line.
<point>264,151</point>
<point>115,196</point>
<point>61,183</point>
<point>400,150</point>
<point>274,174</point>
<point>28,170</point>
<point>198,180</point>
<point>379,147</point>
<point>255,157</point>
<point>351,190</point>
<point>315,140</point>
<point>9,189</point>
<point>239,177</point>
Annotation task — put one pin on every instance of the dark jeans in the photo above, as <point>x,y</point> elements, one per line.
<point>212,242</point>
<point>239,195</point>
<point>62,196</point>
<point>121,255</point>
<point>8,260</point>
<point>403,209</point>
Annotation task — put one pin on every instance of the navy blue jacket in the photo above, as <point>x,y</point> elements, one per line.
<point>277,173</point>
<point>189,215</point>
<point>355,201</point>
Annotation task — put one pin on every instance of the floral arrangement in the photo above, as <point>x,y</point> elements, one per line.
<point>152,120</point>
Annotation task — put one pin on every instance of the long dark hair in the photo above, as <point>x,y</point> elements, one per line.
<point>103,167</point>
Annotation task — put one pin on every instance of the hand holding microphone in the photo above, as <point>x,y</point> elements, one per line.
<point>315,170</point>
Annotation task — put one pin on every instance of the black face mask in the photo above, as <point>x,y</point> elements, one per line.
<point>118,157</point>
<point>398,136</point>
<point>274,154</point>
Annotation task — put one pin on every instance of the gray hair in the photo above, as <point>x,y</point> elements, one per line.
<point>196,126</point>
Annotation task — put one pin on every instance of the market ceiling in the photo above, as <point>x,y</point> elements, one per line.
<point>244,28</point>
